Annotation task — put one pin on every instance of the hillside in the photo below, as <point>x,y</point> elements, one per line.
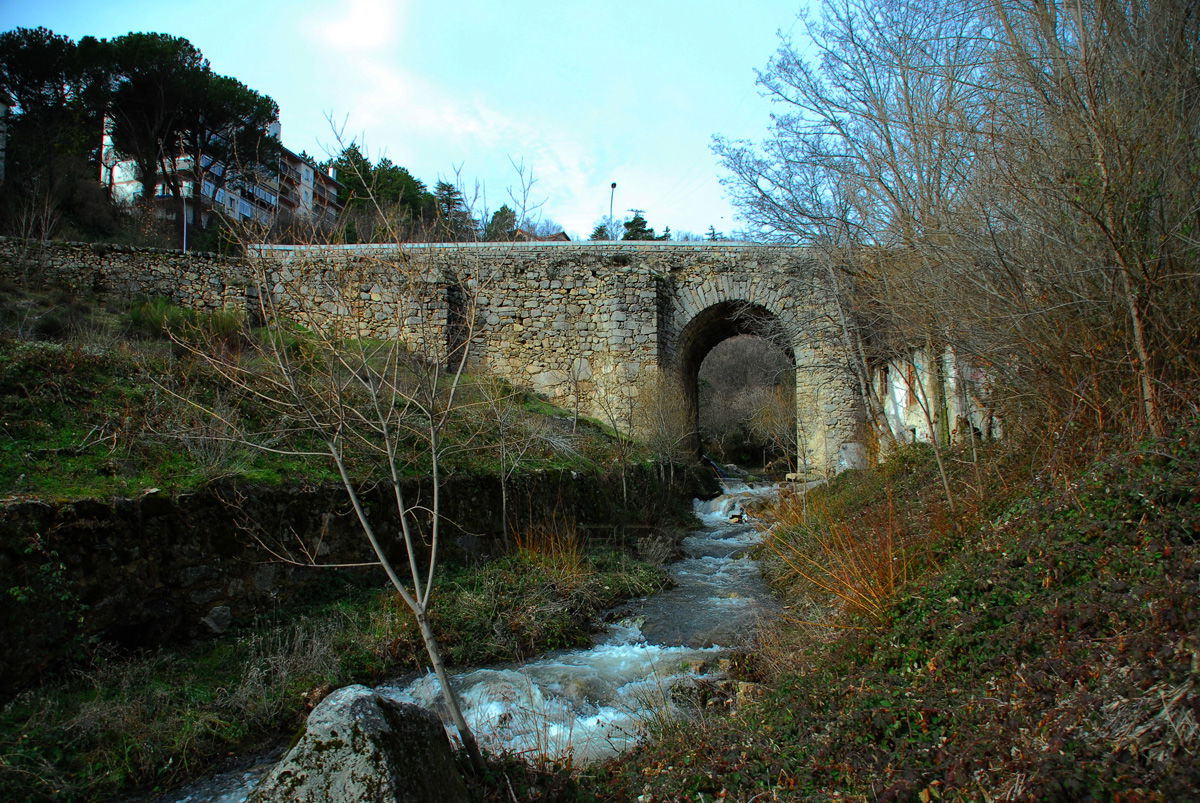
<point>108,398</point>
<point>1039,644</point>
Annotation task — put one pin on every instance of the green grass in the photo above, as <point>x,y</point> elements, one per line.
<point>86,422</point>
<point>94,406</point>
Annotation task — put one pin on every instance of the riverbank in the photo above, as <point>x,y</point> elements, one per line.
<point>145,722</point>
<point>165,536</point>
<point>1035,641</point>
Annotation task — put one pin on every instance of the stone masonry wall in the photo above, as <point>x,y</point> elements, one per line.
<point>160,568</point>
<point>584,323</point>
<point>197,280</point>
<point>784,283</point>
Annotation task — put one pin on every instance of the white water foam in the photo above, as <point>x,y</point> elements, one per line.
<point>579,706</point>
<point>586,705</point>
<point>583,706</point>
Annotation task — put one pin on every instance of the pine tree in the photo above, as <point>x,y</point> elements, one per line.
<point>637,229</point>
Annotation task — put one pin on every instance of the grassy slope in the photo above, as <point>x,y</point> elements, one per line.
<point>86,392</point>
<point>1054,653</point>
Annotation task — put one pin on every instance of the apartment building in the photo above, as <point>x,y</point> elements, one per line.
<point>296,193</point>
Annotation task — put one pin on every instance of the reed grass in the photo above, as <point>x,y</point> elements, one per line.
<point>553,543</point>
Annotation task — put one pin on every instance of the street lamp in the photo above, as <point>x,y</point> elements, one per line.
<point>612,191</point>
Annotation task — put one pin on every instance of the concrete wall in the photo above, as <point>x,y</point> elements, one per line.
<point>944,396</point>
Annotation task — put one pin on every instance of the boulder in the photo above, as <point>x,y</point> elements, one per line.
<point>359,746</point>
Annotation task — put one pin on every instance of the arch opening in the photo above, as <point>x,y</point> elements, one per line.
<point>738,374</point>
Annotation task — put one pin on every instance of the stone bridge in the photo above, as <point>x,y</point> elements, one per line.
<point>598,322</point>
<point>593,322</point>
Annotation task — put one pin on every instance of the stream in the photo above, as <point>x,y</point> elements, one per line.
<point>584,705</point>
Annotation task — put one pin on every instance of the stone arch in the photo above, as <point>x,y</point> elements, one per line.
<point>615,316</point>
<point>701,307</point>
<point>712,326</point>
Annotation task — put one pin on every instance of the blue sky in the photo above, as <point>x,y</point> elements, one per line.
<point>583,93</point>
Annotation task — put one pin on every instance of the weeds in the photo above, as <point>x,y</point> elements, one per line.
<point>97,410</point>
<point>864,570</point>
<point>842,551</point>
<point>160,317</point>
<point>553,543</point>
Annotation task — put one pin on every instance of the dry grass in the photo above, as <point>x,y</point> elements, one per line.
<point>858,569</point>
<point>555,544</point>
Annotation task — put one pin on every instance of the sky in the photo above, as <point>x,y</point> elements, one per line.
<point>581,94</point>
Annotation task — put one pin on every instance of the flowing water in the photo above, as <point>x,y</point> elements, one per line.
<point>588,704</point>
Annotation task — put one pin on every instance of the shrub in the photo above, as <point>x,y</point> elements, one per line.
<point>161,317</point>
<point>861,570</point>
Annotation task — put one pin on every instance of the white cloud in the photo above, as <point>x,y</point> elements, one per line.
<point>360,25</point>
<point>433,120</point>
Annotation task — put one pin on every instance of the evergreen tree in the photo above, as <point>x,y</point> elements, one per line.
<point>502,226</point>
<point>56,91</point>
<point>227,122</point>
<point>636,228</point>
<point>152,73</point>
<point>55,88</point>
<point>354,172</point>
<point>453,222</point>
<point>397,189</point>
<point>381,201</point>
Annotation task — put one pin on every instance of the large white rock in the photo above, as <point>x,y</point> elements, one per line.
<point>359,746</point>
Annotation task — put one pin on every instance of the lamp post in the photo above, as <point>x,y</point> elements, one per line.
<point>612,191</point>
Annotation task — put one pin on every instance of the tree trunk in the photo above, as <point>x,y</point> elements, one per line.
<point>1145,379</point>
<point>451,698</point>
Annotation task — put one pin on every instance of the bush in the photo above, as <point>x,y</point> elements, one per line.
<point>161,317</point>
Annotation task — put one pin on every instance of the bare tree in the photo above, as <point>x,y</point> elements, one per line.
<point>368,406</point>
<point>1012,183</point>
<point>774,422</point>
<point>528,210</point>
<point>663,420</point>
<point>376,403</point>
<point>1096,138</point>
<point>872,150</point>
<point>617,407</point>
